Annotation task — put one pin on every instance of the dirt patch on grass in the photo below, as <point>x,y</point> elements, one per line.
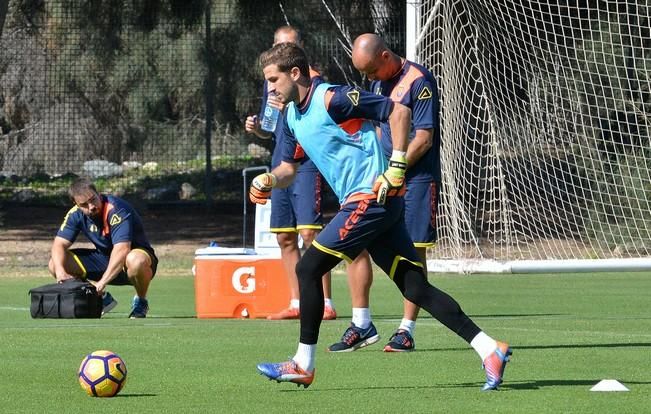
<point>26,232</point>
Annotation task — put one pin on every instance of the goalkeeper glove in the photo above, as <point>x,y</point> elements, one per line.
<point>261,186</point>
<point>391,182</point>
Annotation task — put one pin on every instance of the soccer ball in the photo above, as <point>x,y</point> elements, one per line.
<point>102,374</point>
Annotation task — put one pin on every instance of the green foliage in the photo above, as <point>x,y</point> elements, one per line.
<point>136,182</point>
<point>131,80</point>
<point>619,217</point>
<point>613,67</point>
<point>137,66</point>
<point>594,108</point>
<point>159,78</point>
<point>616,164</point>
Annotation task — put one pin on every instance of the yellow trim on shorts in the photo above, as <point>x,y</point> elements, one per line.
<point>151,261</point>
<point>81,265</point>
<point>309,226</point>
<point>283,230</point>
<point>397,260</point>
<point>426,244</point>
<point>330,251</point>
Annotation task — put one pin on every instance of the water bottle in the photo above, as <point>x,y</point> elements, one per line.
<point>270,118</point>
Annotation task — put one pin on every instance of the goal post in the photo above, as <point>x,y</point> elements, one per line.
<point>545,125</point>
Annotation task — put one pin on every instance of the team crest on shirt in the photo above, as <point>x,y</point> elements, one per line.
<point>425,94</point>
<point>92,228</point>
<point>354,97</point>
<point>115,219</point>
<point>401,91</point>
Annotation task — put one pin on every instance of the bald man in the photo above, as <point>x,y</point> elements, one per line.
<point>412,85</point>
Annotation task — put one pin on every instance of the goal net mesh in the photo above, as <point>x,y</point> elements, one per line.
<point>545,120</point>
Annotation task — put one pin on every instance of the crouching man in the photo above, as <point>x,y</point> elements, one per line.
<point>122,253</point>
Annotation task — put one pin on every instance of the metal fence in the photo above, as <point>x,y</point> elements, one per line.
<point>149,97</point>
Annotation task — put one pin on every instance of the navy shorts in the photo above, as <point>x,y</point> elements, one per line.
<point>421,202</point>
<point>297,206</point>
<point>368,225</point>
<point>94,263</point>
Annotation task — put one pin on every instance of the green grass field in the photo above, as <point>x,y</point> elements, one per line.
<point>567,332</point>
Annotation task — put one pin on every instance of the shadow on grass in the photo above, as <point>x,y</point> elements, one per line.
<point>194,223</point>
<point>171,317</point>
<point>507,386</point>
<point>552,346</point>
<point>536,385</point>
<point>540,384</point>
<point>505,315</point>
<point>403,387</point>
<point>135,395</point>
<point>589,346</point>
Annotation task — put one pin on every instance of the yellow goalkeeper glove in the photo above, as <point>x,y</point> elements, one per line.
<point>261,186</point>
<point>392,181</point>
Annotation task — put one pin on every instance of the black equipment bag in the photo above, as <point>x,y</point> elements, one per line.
<point>71,299</point>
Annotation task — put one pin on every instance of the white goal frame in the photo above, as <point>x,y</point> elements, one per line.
<point>539,110</point>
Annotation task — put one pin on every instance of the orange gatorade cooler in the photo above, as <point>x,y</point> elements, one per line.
<point>237,283</point>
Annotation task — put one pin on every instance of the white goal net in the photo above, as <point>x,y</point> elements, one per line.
<point>545,119</point>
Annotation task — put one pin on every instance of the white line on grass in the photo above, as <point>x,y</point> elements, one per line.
<point>574,333</point>
<point>432,323</point>
<point>90,325</point>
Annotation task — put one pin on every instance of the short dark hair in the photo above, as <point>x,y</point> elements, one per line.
<point>80,186</point>
<point>288,29</point>
<point>286,56</point>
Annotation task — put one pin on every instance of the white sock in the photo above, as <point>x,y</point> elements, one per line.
<point>328,302</point>
<point>294,304</point>
<point>408,325</point>
<point>484,345</point>
<point>305,356</point>
<point>362,317</point>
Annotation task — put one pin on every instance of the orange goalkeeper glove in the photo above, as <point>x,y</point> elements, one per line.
<point>261,186</point>
<point>392,181</point>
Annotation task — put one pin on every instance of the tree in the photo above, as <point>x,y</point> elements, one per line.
<point>4,4</point>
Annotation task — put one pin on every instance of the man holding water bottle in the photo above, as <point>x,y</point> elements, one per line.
<point>297,208</point>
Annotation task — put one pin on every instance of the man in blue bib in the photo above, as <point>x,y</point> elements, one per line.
<point>122,253</point>
<point>333,126</point>
<point>296,209</point>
